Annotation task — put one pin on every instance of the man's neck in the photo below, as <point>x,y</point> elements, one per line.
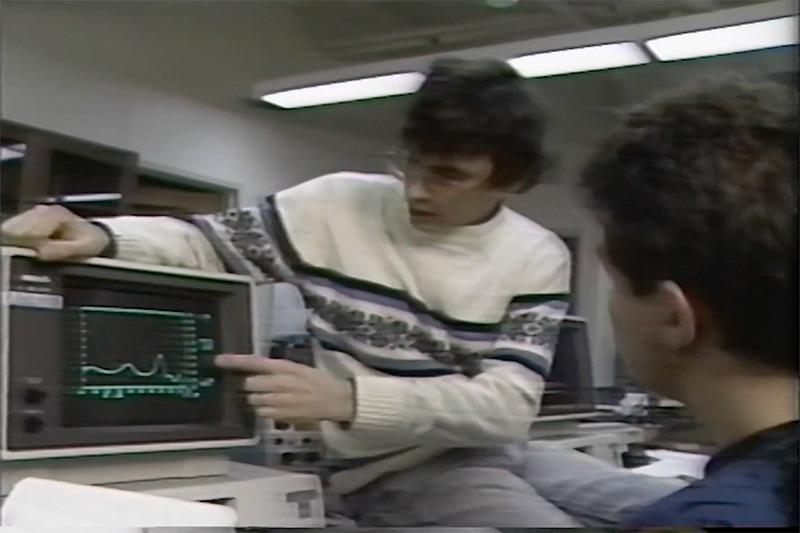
<point>735,404</point>
<point>487,216</point>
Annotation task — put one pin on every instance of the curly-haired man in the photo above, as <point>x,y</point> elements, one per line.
<point>697,195</point>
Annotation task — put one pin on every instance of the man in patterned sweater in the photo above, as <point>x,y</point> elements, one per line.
<point>434,309</point>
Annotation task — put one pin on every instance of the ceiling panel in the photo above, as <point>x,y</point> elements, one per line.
<point>362,30</point>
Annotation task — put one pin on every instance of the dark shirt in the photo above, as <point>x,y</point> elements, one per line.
<point>753,483</point>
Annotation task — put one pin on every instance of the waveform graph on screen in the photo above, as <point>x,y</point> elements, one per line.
<point>128,353</point>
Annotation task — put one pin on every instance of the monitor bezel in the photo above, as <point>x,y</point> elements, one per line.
<point>8,253</point>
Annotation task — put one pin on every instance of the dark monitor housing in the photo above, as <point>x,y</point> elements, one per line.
<point>569,387</point>
<point>106,357</point>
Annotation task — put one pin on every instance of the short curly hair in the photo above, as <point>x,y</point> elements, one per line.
<point>480,107</point>
<point>700,187</point>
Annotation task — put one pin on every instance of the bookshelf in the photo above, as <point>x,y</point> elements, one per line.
<point>40,166</point>
<point>92,179</point>
<point>161,190</point>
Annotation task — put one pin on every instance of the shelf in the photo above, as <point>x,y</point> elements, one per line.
<point>171,193</point>
<point>88,177</point>
<point>40,166</point>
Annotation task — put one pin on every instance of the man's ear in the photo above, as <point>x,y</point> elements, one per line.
<point>680,326</point>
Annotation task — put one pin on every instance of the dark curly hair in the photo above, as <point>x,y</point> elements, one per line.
<point>700,187</point>
<point>480,107</point>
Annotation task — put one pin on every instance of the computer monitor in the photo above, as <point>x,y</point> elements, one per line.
<point>105,357</point>
<point>569,387</point>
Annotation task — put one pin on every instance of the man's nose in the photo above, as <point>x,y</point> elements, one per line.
<point>416,191</point>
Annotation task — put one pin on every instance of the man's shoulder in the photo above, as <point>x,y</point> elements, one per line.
<point>539,259</point>
<point>343,183</point>
<point>336,193</point>
<point>745,494</point>
<point>533,239</point>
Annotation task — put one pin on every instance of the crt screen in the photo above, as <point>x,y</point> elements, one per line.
<point>139,358</point>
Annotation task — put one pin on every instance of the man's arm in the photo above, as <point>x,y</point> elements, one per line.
<point>236,240</point>
<point>250,241</point>
<point>496,406</point>
<point>160,241</point>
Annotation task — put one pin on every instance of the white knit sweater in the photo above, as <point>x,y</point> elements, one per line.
<point>448,334</point>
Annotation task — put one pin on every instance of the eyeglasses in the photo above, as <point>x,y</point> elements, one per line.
<point>406,166</point>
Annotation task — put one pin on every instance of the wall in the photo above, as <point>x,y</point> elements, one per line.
<point>185,135</point>
<point>76,69</point>
<point>90,74</point>
<point>81,69</point>
<point>168,129</point>
<point>582,109</point>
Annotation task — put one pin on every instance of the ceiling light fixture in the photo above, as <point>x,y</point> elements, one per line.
<point>500,4</point>
<point>726,40</point>
<point>598,57</point>
<point>346,91</point>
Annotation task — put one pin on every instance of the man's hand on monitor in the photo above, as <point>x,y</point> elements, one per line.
<point>55,232</point>
<point>283,390</point>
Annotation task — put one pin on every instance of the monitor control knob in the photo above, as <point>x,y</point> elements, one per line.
<point>33,424</point>
<point>34,396</point>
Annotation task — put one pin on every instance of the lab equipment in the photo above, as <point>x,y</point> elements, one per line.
<point>104,357</point>
<point>108,380</point>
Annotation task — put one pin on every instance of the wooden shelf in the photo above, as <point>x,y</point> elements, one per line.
<point>92,179</point>
<point>170,193</point>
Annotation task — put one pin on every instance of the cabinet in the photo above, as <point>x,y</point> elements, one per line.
<point>40,166</point>
<point>162,191</point>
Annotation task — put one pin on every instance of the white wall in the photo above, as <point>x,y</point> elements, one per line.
<point>75,68</point>
<point>85,72</point>
<point>65,70</point>
<point>582,109</point>
<point>167,129</point>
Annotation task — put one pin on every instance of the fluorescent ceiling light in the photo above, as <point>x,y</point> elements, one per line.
<point>347,91</point>
<point>583,59</point>
<point>84,198</point>
<point>16,151</point>
<point>726,40</point>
